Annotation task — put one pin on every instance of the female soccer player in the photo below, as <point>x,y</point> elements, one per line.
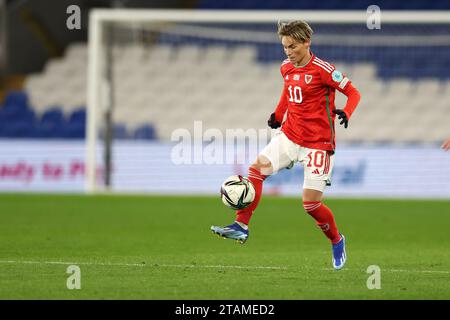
<point>307,135</point>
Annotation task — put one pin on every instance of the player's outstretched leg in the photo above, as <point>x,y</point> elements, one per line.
<point>254,175</point>
<point>239,229</point>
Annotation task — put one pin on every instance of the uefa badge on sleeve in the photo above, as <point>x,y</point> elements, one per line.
<point>337,76</point>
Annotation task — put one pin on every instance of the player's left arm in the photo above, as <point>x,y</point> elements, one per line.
<point>353,98</point>
<point>340,82</point>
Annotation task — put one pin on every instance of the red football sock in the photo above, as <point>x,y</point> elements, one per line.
<point>324,218</point>
<point>257,179</point>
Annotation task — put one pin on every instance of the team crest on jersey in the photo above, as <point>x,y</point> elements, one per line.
<point>308,78</point>
<point>296,77</point>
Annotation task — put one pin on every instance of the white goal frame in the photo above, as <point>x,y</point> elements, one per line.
<point>98,88</point>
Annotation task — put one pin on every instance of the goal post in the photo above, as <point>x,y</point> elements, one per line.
<point>3,32</point>
<point>100,89</point>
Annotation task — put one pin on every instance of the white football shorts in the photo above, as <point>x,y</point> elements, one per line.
<point>317,164</point>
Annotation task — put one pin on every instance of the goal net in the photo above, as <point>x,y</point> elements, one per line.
<point>178,100</point>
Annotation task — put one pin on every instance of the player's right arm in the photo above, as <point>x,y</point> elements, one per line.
<point>276,118</point>
<point>281,107</point>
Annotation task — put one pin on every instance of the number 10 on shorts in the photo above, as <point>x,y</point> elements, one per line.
<point>319,159</point>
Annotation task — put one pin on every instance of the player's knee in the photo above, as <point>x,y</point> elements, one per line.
<point>312,195</point>
<point>263,165</point>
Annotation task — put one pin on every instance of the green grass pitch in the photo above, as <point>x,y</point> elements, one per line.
<point>149,247</point>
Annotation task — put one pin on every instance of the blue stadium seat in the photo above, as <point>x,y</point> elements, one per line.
<point>408,5</point>
<point>78,116</point>
<point>74,130</point>
<point>438,5</point>
<point>51,124</point>
<point>145,132</point>
<point>10,114</point>
<point>120,131</point>
<point>207,4</point>
<point>16,119</point>
<point>18,129</point>
<point>53,115</point>
<point>19,99</point>
<point>15,107</point>
<point>76,126</point>
<point>326,5</point>
<point>50,131</point>
<point>15,110</point>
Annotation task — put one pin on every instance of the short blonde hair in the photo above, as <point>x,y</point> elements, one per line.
<point>299,30</point>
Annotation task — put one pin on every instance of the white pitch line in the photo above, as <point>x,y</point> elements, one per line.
<point>418,271</point>
<point>395,270</point>
<point>218,266</point>
<point>75,263</point>
<point>157,265</point>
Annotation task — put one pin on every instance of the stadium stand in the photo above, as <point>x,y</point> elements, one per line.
<point>324,5</point>
<point>390,101</point>
<point>390,79</point>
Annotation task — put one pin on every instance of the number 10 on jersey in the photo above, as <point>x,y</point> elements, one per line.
<point>295,95</point>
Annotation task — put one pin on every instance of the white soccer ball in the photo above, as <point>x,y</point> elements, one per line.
<point>237,192</point>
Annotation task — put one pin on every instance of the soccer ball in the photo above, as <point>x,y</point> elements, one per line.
<point>237,192</point>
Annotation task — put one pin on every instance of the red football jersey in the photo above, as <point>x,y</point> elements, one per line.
<point>308,96</point>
